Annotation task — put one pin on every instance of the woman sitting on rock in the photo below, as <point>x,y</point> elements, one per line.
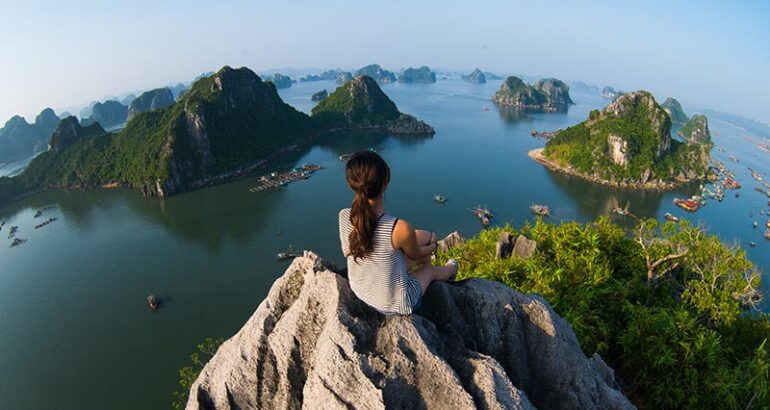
<point>380,248</point>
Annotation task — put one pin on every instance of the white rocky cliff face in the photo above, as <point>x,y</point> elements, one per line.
<point>473,344</point>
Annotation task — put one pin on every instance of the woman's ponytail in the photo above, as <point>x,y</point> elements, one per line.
<point>366,174</point>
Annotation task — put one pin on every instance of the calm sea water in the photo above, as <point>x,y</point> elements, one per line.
<point>75,330</point>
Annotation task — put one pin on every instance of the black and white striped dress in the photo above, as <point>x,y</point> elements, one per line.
<point>381,278</point>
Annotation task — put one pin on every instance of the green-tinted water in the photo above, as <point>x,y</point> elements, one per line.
<point>75,330</point>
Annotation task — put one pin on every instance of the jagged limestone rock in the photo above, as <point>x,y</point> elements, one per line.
<point>450,241</point>
<point>504,245</point>
<point>524,247</point>
<point>474,344</point>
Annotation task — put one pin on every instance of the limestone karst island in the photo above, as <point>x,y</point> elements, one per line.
<point>384,205</point>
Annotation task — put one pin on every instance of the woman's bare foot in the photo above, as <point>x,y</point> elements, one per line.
<point>452,263</point>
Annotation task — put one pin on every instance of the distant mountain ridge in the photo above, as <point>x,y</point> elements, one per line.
<point>20,139</point>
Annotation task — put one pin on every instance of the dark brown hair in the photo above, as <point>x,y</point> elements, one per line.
<point>366,174</point>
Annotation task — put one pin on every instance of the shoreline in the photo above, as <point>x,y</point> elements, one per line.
<point>537,155</point>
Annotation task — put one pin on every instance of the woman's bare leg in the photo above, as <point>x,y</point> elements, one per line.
<point>429,273</point>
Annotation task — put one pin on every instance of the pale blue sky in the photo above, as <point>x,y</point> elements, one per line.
<point>707,54</point>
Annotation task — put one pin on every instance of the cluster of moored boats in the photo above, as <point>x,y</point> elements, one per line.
<point>279,179</point>
<point>14,229</point>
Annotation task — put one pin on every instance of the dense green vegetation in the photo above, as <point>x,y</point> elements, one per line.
<point>665,306</point>
<point>219,126</point>
<point>644,126</point>
<point>417,75</point>
<point>359,102</point>
<point>696,130</point>
<point>674,110</point>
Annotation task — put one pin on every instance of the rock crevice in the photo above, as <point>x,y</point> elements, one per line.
<point>473,344</point>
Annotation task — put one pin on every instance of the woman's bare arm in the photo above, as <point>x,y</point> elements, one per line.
<point>405,239</point>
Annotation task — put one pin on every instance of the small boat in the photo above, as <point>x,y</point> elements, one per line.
<point>13,231</point>
<point>752,244</point>
<point>689,205</point>
<point>441,199</point>
<point>17,242</point>
<point>541,210</point>
<point>345,157</point>
<point>38,226</point>
<point>756,224</point>
<point>483,214</point>
<point>733,158</point>
<point>767,224</point>
<point>731,183</point>
<point>670,217</point>
<point>38,213</point>
<point>767,234</point>
<point>289,254</point>
<point>153,303</point>
<point>737,194</point>
<point>617,210</point>
<point>485,108</point>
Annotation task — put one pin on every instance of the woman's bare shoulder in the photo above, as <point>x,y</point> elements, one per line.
<point>402,231</point>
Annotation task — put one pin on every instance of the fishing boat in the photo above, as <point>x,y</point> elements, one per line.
<point>441,199</point>
<point>153,303</point>
<point>541,210</point>
<point>17,242</point>
<point>670,217</point>
<point>40,225</point>
<point>289,254</point>
<point>731,183</point>
<point>617,210</point>
<point>688,205</point>
<point>482,213</point>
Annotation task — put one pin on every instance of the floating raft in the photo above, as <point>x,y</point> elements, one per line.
<point>279,179</point>
<point>40,225</point>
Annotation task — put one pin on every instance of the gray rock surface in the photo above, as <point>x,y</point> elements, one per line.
<point>450,241</point>
<point>312,344</point>
<point>504,245</point>
<point>524,247</point>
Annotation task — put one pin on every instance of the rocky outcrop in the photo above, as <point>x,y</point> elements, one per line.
<point>696,130</point>
<point>108,114</point>
<point>547,94</point>
<point>69,131</point>
<point>477,77</point>
<point>361,104</point>
<point>624,145</point>
<point>675,111</point>
<point>473,344</point>
<point>344,77</point>
<point>321,95</point>
<point>406,124</point>
<point>328,75</point>
<point>376,72</point>
<point>557,92</point>
<point>151,100</point>
<point>20,139</point>
<point>417,75</point>
<point>280,80</point>
<point>609,92</point>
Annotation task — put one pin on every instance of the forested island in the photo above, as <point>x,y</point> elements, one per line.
<point>628,144</point>
<point>547,94</point>
<point>225,126</point>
